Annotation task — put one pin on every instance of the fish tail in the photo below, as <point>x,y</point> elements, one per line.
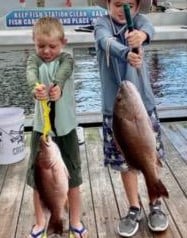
<point>157,190</point>
<point>55,226</point>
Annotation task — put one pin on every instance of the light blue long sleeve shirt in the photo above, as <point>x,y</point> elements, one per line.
<point>112,50</point>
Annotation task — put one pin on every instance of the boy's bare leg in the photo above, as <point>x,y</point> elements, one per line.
<point>75,210</point>
<point>39,212</point>
<point>74,206</point>
<point>129,225</point>
<point>130,182</point>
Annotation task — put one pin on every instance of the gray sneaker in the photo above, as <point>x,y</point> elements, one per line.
<point>157,219</point>
<point>129,225</point>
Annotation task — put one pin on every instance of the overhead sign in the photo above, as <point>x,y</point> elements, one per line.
<point>67,16</point>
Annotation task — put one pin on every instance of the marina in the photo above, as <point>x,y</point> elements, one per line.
<point>104,201</point>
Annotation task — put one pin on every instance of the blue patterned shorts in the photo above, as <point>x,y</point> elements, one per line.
<point>112,155</point>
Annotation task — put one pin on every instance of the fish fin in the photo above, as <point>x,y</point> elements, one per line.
<point>159,163</point>
<point>157,190</point>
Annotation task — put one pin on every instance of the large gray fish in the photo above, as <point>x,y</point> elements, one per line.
<point>135,137</point>
<point>51,177</point>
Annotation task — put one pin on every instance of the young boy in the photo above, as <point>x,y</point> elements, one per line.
<point>52,69</point>
<point>118,62</point>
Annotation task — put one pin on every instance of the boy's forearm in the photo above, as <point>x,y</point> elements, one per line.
<point>65,70</point>
<point>142,23</point>
<point>32,73</point>
<point>149,35</point>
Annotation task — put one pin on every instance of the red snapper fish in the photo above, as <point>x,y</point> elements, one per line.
<point>51,177</point>
<point>135,137</point>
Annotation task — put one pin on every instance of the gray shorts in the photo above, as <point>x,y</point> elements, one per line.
<point>69,149</point>
<point>112,155</point>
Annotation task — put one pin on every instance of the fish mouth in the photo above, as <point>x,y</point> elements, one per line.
<point>45,140</point>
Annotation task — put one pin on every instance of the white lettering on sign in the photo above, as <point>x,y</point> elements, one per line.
<point>29,22</point>
<point>97,13</point>
<point>15,22</point>
<point>78,14</point>
<point>79,21</point>
<point>66,21</point>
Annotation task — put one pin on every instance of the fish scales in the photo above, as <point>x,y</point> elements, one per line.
<point>51,177</point>
<point>135,137</point>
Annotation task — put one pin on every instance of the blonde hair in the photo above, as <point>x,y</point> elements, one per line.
<point>48,26</point>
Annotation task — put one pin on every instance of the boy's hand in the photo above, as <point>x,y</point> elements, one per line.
<point>135,59</point>
<point>135,38</point>
<point>41,92</point>
<point>55,92</point>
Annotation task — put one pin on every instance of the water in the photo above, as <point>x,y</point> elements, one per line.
<point>167,69</point>
<point>87,82</point>
<point>13,85</point>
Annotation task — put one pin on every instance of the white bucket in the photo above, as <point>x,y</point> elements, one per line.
<point>12,148</point>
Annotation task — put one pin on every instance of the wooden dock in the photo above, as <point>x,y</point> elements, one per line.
<point>104,201</point>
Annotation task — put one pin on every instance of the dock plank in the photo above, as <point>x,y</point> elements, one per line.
<point>3,171</point>
<point>106,212</point>
<point>88,216</point>
<point>175,163</point>
<point>182,127</point>
<point>176,204</point>
<point>26,217</point>
<point>177,139</point>
<point>11,198</point>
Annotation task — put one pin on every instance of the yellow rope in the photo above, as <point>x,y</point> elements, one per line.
<point>44,235</point>
<point>45,112</point>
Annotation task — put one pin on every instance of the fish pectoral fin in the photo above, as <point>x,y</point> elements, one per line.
<point>159,163</point>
